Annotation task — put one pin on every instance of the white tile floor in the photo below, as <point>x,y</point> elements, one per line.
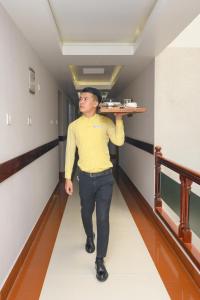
<point>71,272</point>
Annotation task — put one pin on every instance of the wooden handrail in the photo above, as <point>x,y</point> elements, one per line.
<point>187,177</point>
<point>190,174</point>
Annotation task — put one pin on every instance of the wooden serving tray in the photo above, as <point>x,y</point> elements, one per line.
<point>128,110</point>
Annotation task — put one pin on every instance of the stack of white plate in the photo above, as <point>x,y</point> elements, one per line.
<point>131,104</point>
<point>111,103</point>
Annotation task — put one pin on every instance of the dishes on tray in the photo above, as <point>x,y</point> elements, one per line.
<point>111,103</point>
<point>119,104</point>
<point>125,106</point>
<point>130,104</point>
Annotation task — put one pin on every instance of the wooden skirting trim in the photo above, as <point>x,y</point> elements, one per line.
<point>24,253</point>
<point>14,165</point>
<point>140,144</point>
<point>61,176</point>
<point>62,138</point>
<point>113,156</point>
<point>149,211</point>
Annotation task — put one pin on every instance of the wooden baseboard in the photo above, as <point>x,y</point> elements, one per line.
<point>61,176</point>
<point>113,156</point>
<point>24,253</point>
<point>147,209</point>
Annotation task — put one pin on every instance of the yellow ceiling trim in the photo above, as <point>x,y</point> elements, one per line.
<point>110,83</point>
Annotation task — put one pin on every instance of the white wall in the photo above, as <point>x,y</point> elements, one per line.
<point>24,195</point>
<point>177,107</point>
<point>67,114</point>
<point>63,123</point>
<point>138,164</point>
<point>171,87</point>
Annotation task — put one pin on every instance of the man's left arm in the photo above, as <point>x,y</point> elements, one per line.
<point>116,131</point>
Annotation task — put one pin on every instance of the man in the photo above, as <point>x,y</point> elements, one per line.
<point>90,133</point>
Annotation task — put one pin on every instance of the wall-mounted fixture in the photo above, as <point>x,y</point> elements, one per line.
<point>31,81</point>
<point>8,119</point>
<point>29,121</point>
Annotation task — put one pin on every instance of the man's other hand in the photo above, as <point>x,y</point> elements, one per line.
<point>69,187</point>
<point>119,115</point>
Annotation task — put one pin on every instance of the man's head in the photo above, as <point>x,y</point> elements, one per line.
<point>89,100</point>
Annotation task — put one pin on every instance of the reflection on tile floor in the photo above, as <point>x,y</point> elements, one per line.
<point>176,278</point>
<point>132,273</point>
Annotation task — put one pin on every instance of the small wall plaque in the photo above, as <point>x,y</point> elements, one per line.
<point>31,81</point>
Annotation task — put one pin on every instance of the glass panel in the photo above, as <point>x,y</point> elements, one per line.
<point>170,189</point>
<point>170,194</point>
<point>194,213</point>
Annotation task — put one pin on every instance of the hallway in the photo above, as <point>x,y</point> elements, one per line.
<point>131,51</point>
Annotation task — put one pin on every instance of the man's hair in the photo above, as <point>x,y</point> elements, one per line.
<point>93,91</point>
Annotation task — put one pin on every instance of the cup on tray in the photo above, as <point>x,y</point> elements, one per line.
<point>129,103</point>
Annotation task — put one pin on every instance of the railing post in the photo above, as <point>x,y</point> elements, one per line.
<point>158,201</point>
<point>184,229</point>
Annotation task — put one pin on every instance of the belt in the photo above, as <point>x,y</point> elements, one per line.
<point>105,172</point>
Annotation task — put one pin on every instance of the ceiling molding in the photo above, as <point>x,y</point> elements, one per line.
<point>79,85</point>
<point>154,30</point>
<point>55,22</point>
<point>101,84</point>
<point>98,49</point>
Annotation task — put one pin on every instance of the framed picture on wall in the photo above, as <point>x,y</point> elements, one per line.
<point>31,81</point>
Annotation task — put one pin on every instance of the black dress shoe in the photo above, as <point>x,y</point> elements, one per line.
<point>101,272</point>
<point>89,246</point>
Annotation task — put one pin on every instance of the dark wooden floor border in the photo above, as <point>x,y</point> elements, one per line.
<point>14,165</point>
<point>148,210</point>
<point>22,257</point>
<point>140,144</point>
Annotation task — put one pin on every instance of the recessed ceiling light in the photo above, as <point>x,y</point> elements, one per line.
<point>98,48</point>
<point>93,70</point>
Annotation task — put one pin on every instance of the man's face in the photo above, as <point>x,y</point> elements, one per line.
<point>87,102</point>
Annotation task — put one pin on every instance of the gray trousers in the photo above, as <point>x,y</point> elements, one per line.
<point>96,190</point>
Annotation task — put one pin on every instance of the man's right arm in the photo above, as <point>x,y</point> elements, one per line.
<point>69,159</point>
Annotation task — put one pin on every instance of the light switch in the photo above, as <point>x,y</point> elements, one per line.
<point>29,121</point>
<point>8,119</point>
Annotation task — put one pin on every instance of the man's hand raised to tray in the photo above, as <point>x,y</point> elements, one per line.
<point>119,115</point>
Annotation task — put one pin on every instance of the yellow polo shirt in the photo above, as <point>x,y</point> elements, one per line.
<point>91,137</point>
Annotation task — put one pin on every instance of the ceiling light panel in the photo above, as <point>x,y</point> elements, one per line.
<point>93,70</point>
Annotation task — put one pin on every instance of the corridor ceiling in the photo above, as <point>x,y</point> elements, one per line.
<point>103,43</point>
